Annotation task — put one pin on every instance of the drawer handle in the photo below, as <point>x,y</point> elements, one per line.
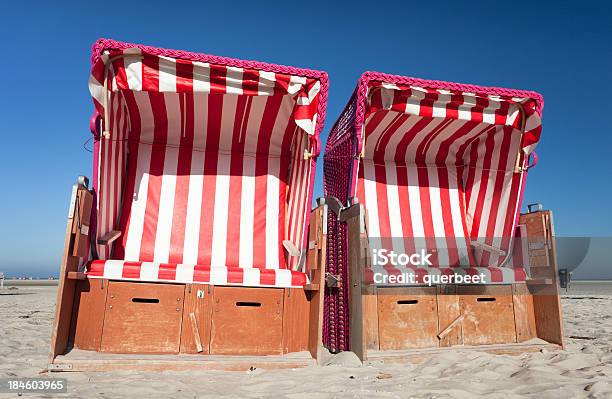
<point>249,304</point>
<point>145,300</point>
<point>486,299</point>
<point>408,302</point>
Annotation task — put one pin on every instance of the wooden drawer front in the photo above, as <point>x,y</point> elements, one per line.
<point>88,316</point>
<point>407,318</point>
<point>489,315</point>
<point>247,321</point>
<point>143,318</point>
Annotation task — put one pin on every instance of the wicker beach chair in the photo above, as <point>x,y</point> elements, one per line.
<point>197,234</point>
<point>436,169</point>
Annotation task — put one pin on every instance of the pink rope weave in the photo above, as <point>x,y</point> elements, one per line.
<point>367,77</point>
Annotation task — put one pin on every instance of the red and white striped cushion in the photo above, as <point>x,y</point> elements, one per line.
<point>190,273</point>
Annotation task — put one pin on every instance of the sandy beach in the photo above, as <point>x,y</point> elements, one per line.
<point>584,369</point>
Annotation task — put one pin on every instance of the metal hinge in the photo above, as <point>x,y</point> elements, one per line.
<point>333,280</point>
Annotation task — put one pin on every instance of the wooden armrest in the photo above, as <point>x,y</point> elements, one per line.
<point>487,247</point>
<point>109,237</point>
<point>291,249</point>
<point>540,281</point>
<point>311,287</point>
<point>76,276</point>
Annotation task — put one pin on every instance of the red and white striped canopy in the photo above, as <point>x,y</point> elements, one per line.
<point>202,161</point>
<point>122,66</point>
<point>443,166</point>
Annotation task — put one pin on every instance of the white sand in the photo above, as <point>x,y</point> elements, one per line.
<point>583,370</point>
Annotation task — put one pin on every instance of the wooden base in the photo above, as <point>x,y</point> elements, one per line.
<point>78,360</point>
<point>109,325</point>
<point>428,319</point>
<point>446,316</point>
<point>145,318</point>
<point>420,355</point>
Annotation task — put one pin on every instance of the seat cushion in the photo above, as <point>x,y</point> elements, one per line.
<point>492,275</point>
<point>190,273</point>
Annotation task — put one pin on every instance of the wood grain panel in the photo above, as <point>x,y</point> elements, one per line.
<point>88,313</point>
<point>197,301</point>
<point>489,314</point>
<point>296,309</point>
<point>247,321</point>
<point>80,228</point>
<point>143,318</point>
<point>66,289</point>
<point>370,315</point>
<point>357,244</point>
<point>318,236</point>
<point>548,318</point>
<point>448,311</point>
<point>407,318</point>
<point>524,317</point>
<point>546,302</point>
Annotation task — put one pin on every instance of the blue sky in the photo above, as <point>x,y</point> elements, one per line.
<point>560,49</point>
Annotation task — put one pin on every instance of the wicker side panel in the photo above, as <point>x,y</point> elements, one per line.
<point>340,153</point>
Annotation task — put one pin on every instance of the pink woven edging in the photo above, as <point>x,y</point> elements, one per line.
<point>367,77</point>
<point>108,44</point>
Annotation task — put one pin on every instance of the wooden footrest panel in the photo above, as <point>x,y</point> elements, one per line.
<point>143,318</point>
<point>246,321</point>
<point>429,317</point>
<point>408,318</point>
<point>488,315</point>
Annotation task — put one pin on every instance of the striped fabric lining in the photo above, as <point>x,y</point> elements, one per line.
<point>184,188</point>
<point>135,70</point>
<point>188,273</point>
<point>477,106</point>
<point>442,169</point>
<point>202,163</point>
<point>410,208</point>
<point>110,170</point>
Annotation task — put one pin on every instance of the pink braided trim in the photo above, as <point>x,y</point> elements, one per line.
<point>108,44</point>
<point>367,77</point>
